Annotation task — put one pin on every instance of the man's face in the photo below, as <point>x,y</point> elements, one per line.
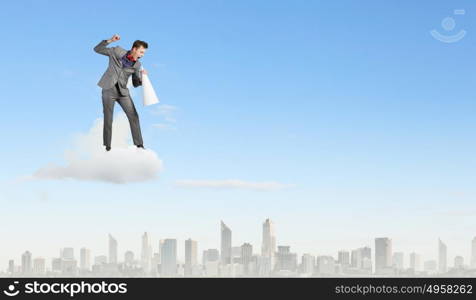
<point>138,52</point>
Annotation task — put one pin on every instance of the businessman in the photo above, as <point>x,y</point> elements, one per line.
<point>122,64</point>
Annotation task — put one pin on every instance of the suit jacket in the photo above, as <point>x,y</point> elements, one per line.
<point>115,72</point>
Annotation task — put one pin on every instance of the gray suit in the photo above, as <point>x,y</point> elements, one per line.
<point>114,87</point>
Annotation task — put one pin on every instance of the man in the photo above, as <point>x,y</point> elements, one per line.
<point>122,64</point>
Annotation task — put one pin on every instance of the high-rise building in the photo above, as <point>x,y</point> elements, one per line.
<point>168,258</point>
<point>263,266</point>
<point>191,253</point>
<point>430,266</point>
<point>459,262</point>
<point>56,264</point>
<point>129,258</point>
<point>39,266</point>
<point>442,257</point>
<point>415,262</point>
<point>361,258</point>
<point>398,260</point>
<point>343,257</point>
<point>155,262</point>
<point>325,265</point>
<point>210,255</point>
<point>100,260</point>
<point>268,246</point>
<point>69,267</point>
<point>383,255</point>
<point>11,266</point>
<point>67,253</point>
<point>366,253</point>
<point>356,258</point>
<point>225,253</point>
<point>285,260</point>
<point>308,263</point>
<point>66,263</point>
<point>112,250</point>
<point>246,256</point>
<point>146,253</point>
<point>161,243</point>
<point>26,267</point>
<point>84,259</point>
<point>236,255</point>
<point>473,253</point>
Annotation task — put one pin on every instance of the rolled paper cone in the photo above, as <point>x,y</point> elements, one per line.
<point>149,93</point>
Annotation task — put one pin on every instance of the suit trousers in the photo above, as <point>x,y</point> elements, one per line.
<point>109,97</point>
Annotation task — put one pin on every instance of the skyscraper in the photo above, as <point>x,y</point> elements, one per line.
<point>191,253</point>
<point>343,257</point>
<point>473,253</point>
<point>325,265</point>
<point>146,253</point>
<point>442,257</point>
<point>268,246</point>
<point>39,266</point>
<point>129,258</point>
<point>285,260</point>
<point>236,255</point>
<point>112,250</point>
<point>459,262</point>
<point>308,263</point>
<point>100,260</point>
<point>161,243</point>
<point>383,254</point>
<point>246,256</point>
<point>361,258</point>
<point>67,253</point>
<point>225,244</point>
<point>210,255</point>
<point>356,258</point>
<point>84,259</point>
<point>367,258</point>
<point>415,261</point>
<point>398,260</point>
<point>67,262</point>
<point>26,262</point>
<point>168,257</point>
<point>430,266</point>
<point>56,264</point>
<point>11,266</point>
<point>211,258</point>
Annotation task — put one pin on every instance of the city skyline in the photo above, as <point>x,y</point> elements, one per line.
<point>364,261</point>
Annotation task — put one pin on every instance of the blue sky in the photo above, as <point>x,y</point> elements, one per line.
<point>353,102</point>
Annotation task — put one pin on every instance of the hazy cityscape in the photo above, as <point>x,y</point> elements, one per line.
<point>267,260</point>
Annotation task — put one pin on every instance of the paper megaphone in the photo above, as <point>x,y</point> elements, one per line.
<point>149,93</point>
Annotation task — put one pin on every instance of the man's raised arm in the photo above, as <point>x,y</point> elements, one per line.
<point>101,47</point>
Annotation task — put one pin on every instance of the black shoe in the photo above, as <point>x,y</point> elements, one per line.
<point>108,148</point>
<point>140,146</point>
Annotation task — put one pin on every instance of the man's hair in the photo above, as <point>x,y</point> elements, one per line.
<point>139,43</point>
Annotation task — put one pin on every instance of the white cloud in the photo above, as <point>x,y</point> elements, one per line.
<point>167,113</point>
<point>233,183</point>
<point>164,126</point>
<point>88,159</point>
<point>459,213</point>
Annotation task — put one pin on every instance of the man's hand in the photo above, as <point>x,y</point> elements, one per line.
<point>144,72</point>
<point>114,38</point>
